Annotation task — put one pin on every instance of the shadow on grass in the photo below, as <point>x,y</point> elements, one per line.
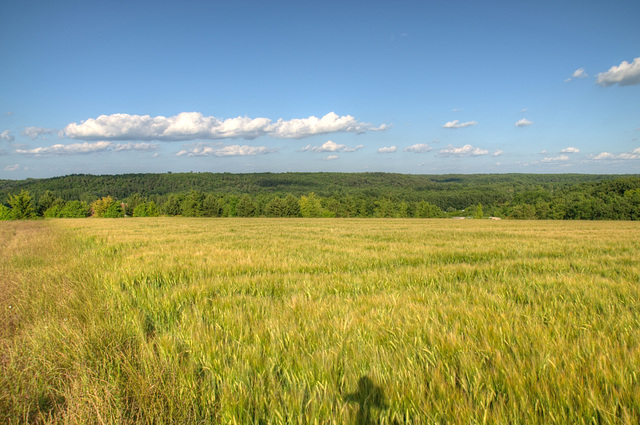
<point>368,396</point>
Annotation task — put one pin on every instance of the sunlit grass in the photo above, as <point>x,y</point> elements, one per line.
<point>290,321</point>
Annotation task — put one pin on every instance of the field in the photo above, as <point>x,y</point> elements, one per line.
<point>354,321</point>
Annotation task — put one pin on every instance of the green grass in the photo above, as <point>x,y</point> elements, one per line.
<point>319,321</point>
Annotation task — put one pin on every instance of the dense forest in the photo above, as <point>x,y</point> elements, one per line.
<point>518,196</point>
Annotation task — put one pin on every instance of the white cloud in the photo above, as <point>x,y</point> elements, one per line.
<point>119,147</point>
<point>330,123</point>
<point>625,74</point>
<point>13,167</point>
<point>388,149</point>
<point>634,154</point>
<point>330,146</point>
<point>466,150</point>
<point>578,73</point>
<point>203,149</point>
<point>523,122</point>
<point>193,126</point>
<point>457,124</point>
<point>332,157</point>
<point>556,158</point>
<point>605,155</point>
<point>86,148</point>
<point>570,149</point>
<point>34,132</point>
<point>497,153</point>
<point>7,136</point>
<point>419,148</point>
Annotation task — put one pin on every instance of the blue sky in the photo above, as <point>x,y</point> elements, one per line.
<point>421,87</point>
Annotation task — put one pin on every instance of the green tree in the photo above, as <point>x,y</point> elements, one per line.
<point>152,209</point>
<point>146,209</point>
<point>140,210</point>
<point>74,209</point>
<point>100,206</point>
<point>45,202</point>
<point>5,212</point>
<point>53,211</point>
<point>212,206</point>
<point>230,202</point>
<point>245,207</point>
<point>310,206</point>
<point>632,197</point>
<point>274,208</point>
<point>132,202</point>
<point>384,208</point>
<point>192,204</point>
<point>172,206</point>
<point>291,206</point>
<point>426,210</point>
<point>22,206</point>
<point>479,213</point>
<point>114,211</point>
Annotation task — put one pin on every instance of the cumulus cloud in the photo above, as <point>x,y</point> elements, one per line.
<point>497,153</point>
<point>418,148</point>
<point>12,167</point>
<point>466,150</point>
<point>330,123</point>
<point>570,149</point>
<point>457,124</point>
<point>634,154</point>
<point>388,149</point>
<point>203,149</point>
<point>7,136</point>
<point>625,74</point>
<point>330,146</point>
<point>193,126</point>
<point>556,158</point>
<point>34,132</point>
<point>523,123</point>
<point>332,157</point>
<point>578,73</point>
<point>86,148</point>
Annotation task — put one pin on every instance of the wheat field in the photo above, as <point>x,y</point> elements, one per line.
<point>314,321</point>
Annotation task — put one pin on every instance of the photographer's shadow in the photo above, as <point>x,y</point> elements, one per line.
<point>368,396</point>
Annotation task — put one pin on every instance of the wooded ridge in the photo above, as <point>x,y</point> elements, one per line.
<point>541,196</point>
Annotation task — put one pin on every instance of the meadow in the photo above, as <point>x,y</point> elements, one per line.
<point>314,321</point>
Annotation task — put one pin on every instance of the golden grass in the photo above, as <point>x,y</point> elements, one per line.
<point>174,320</point>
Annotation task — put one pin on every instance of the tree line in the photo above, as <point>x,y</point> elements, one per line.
<point>560,197</point>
